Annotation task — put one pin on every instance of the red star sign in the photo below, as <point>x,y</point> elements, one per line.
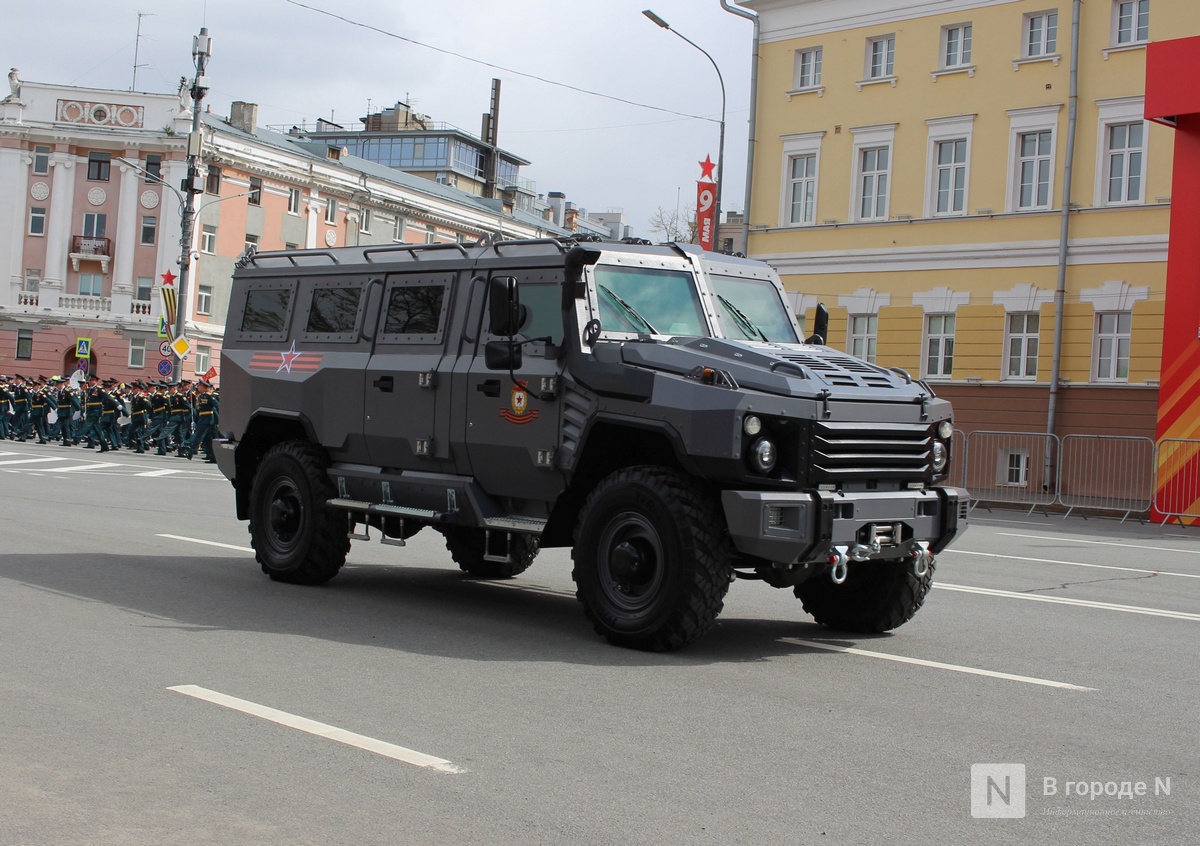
<point>706,168</point>
<point>168,278</point>
<point>288,357</point>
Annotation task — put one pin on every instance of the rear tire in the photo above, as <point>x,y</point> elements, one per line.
<point>296,538</point>
<point>468,545</point>
<point>652,559</point>
<point>877,596</point>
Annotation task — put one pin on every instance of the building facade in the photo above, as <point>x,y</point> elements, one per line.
<point>910,169</point>
<point>90,221</point>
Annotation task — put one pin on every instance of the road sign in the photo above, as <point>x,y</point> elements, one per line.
<point>181,347</point>
<point>164,349</point>
<point>83,347</point>
<point>162,328</point>
<point>164,367</point>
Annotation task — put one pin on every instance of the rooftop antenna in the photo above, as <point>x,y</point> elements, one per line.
<point>137,42</point>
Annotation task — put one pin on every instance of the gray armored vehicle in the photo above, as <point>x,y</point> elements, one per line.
<point>651,407</point>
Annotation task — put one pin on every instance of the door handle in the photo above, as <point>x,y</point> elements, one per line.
<point>489,387</point>
<point>384,383</point>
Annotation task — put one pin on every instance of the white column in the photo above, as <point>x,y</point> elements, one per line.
<point>58,228</point>
<point>125,243</point>
<point>170,228</point>
<point>316,208</point>
<point>14,182</point>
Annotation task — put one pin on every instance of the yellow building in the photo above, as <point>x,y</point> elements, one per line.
<point>910,167</point>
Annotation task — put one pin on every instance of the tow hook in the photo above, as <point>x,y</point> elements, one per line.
<point>922,559</point>
<point>839,565</point>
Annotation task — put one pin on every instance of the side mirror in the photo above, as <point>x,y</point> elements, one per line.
<point>501,355</point>
<point>505,312</point>
<point>820,326</point>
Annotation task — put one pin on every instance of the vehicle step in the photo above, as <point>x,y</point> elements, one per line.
<point>516,524</point>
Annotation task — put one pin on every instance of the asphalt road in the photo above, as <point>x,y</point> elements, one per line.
<point>156,688</point>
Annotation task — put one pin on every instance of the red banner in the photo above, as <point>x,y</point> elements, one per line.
<point>706,214</point>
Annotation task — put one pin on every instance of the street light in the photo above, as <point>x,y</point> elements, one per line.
<point>721,146</point>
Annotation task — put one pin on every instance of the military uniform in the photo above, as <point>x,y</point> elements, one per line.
<point>20,406</point>
<point>206,423</point>
<point>92,411</point>
<point>139,413</point>
<point>68,407</point>
<point>5,405</point>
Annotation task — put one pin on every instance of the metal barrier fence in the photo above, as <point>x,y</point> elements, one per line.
<point>1093,472</point>
<point>958,459</point>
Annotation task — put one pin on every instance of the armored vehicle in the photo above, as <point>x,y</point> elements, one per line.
<point>651,407</point>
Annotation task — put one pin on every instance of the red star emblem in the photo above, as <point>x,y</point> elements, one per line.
<point>168,278</point>
<point>288,357</point>
<point>706,168</point>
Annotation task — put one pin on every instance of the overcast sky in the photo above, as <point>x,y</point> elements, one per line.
<point>299,64</point>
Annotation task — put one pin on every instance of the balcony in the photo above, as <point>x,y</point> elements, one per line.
<point>87,248</point>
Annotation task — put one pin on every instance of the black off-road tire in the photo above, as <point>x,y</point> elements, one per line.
<point>877,596</point>
<point>653,560</point>
<point>468,544</point>
<point>296,538</point>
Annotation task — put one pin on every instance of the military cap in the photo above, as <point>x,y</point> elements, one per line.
<point>204,383</point>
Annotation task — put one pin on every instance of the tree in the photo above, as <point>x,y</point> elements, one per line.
<point>675,225</point>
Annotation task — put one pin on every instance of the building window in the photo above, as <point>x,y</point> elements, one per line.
<point>91,284</point>
<point>33,279</point>
<point>430,234</point>
<point>1022,341</point>
<point>145,288</point>
<point>873,183</point>
<point>98,166</point>
<point>364,221</point>
<point>251,243</point>
<point>1112,346</point>
<point>939,345</point>
<point>956,46</point>
<point>208,239</point>
<point>331,206</point>
<point>95,225</point>
<point>255,198</point>
<point>204,297</point>
<point>149,229</point>
<point>808,68</point>
<point>1041,35</point>
<point>1131,21</point>
<point>951,177</point>
<point>41,160</point>
<point>803,189</point>
<point>864,330</point>
<point>398,230</point>
<point>24,344</point>
<point>137,352</point>
<point>153,168</point>
<point>293,201</point>
<point>212,180</point>
<point>881,55</point>
<point>1013,470</point>
<point>37,220</point>
<point>1033,169</point>
<point>203,359</point>
<point>1126,152</point>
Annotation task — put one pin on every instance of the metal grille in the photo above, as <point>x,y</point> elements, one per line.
<point>844,371</point>
<point>851,451</point>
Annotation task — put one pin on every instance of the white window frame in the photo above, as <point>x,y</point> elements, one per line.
<point>862,336</point>
<point>149,226</point>
<point>1111,345</point>
<point>806,69</point>
<point>293,206</point>
<point>37,221</point>
<point>204,299</point>
<point>331,210</point>
<point>95,284</point>
<point>880,60</point>
<point>796,146</point>
<point>137,353</point>
<point>942,130</point>
<point>1023,122</point>
<point>1036,41</point>
<point>364,221</point>
<point>144,283</point>
<point>208,239</point>
<point>1138,13</point>
<point>33,279</point>
<point>944,340</point>
<point>1029,346</point>
<point>41,160</point>
<point>430,233</point>
<point>203,359</point>
<point>1006,465</point>
<point>398,228</point>
<point>878,137</point>
<point>1119,110</point>
<point>955,47</point>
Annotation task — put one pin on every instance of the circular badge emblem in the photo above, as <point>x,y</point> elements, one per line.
<point>519,402</point>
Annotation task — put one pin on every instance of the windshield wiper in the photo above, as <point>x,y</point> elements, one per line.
<point>744,323</point>
<point>629,310</point>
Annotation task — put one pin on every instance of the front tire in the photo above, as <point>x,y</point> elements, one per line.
<point>652,559</point>
<point>877,596</point>
<point>468,546</point>
<point>296,538</point>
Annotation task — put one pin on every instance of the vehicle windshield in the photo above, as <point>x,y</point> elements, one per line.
<point>751,310</point>
<point>648,301</point>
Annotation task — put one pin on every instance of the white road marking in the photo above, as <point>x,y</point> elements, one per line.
<point>32,460</point>
<point>1076,564</point>
<point>207,542</point>
<point>168,472</point>
<point>370,744</point>
<point>80,467</point>
<point>1062,600</point>
<point>937,665</point>
<point>1101,543</point>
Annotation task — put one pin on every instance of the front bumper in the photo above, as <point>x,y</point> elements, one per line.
<point>789,528</point>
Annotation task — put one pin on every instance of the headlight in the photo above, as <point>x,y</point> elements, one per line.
<point>752,425</point>
<point>945,430</point>
<point>763,455</point>
<point>940,456</point>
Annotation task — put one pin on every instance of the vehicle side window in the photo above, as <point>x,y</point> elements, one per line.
<point>544,303</point>
<point>267,312</point>
<point>414,310</point>
<point>334,310</point>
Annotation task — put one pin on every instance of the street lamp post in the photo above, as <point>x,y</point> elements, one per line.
<point>201,50</point>
<point>721,144</point>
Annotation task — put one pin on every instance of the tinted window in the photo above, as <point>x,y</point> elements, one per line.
<point>266,311</point>
<point>334,310</point>
<point>751,308</point>
<point>544,303</point>
<point>414,310</point>
<point>639,299</point>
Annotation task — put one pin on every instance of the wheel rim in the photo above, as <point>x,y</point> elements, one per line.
<point>285,515</point>
<point>630,562</point>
